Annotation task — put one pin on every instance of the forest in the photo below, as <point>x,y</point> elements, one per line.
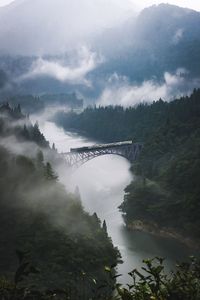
<point>167,174</point>
<point>36,104</point>
<point>52,249</point>
<point>44,229</point>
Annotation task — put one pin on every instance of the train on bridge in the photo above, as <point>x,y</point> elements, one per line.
<point>100,146</point>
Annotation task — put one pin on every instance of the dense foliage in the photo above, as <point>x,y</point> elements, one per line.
<point>41,219</point>
<point>167,189</point>
<point>14,123</point>
<point>153,283</point>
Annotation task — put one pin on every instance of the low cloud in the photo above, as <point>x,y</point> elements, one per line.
<point>120,91</point>
<point>178,36</point>
<point>70,72</point>
<point>19,148</point>
<point>48,113</point>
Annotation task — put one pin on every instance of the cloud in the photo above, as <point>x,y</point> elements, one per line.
<point>39,27</point>
<point>120,91</point>
<point>178,36</point>
<point>19,148</point>
<point>86,61</point>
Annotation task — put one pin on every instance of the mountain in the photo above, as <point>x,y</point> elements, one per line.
<point>162,38</point>
<point>51,26</point>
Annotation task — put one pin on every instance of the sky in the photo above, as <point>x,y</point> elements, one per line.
<point>5,2</point>
<point>194,4</point>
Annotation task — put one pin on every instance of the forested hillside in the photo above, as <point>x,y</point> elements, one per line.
<point>45,224</point>
<point>167,190</point>
<point>162,38</point>
<point>34,104</point>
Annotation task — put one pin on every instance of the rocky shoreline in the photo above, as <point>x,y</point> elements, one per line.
<point>166,232</point>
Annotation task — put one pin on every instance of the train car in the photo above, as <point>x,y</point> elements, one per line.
<point>81,149</point>
<point>100,146</point>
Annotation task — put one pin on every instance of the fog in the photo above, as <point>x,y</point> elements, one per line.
<point>13,145</point>
<point>119,90</point>
<point>51,26</point>
<point>72,70</point>
<point>21,156</point>
<point>77,45</point>
<point>38,27</point>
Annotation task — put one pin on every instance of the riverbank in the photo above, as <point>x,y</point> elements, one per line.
<point>165,232</point>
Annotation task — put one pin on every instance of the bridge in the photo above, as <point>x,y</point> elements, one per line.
<point>127,149</point>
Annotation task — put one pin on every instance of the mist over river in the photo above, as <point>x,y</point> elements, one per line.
<point>101,182</point>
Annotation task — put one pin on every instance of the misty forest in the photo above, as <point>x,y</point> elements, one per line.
<point>99,150</point>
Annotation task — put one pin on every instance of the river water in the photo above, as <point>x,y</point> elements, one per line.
<point>101,183</point>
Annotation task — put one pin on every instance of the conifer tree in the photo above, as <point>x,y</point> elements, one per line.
<point>49,173</point>
<point>40,158</point>
<point>104,227</point>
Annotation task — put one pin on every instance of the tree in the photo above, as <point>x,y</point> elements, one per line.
<point>40,158</point>
<point>53,147</point>
<point>25,133</point>
<point>104,227</point>
<point>49,173</point>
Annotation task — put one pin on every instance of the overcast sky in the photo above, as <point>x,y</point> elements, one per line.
<point>5,2</point>
<point>194,4</point>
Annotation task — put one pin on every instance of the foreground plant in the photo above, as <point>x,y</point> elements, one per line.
<point>152,283</point>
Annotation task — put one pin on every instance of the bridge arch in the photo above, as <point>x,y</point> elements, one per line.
<point>79,156</point>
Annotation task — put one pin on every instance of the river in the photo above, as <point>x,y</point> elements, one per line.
<point>101,182</point>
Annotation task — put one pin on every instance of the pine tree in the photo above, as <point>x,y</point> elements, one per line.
<point>96,219</point>
<point>25,133</point>
<point>104,227</point>
<point>54,147</point>
<point>40,158</point>
<point>17,111</point>
<point>49,173</point>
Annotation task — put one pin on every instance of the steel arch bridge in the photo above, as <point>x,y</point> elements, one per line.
<point>79,156</point>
